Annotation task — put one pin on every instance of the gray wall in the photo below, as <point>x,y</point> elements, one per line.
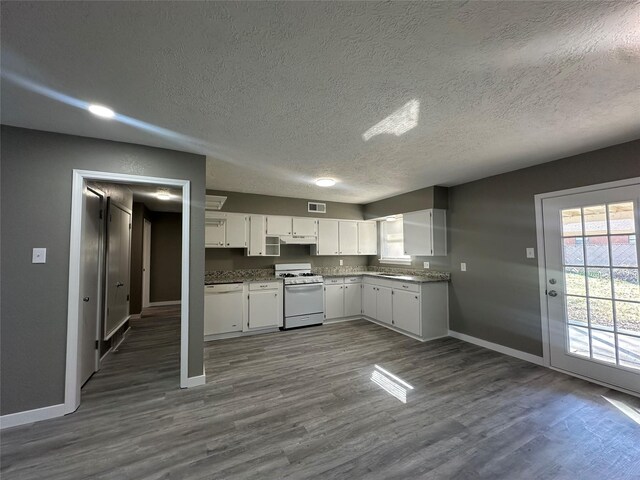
<point>139,213</point>
<point>36,174</point>
<point>492,221</point>
<point>166,261</point>
<point>429,197</point>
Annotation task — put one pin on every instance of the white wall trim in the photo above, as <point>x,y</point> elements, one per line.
<point>168,302</point>
<point>80,177</point>
<point>31,416</point>
<point>195,381</point>
<point>512,352</point>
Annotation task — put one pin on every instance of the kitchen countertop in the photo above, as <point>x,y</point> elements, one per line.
<point>421,278</point>
<point>239,276</point>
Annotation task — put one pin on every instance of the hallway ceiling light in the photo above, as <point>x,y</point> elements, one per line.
<point>325,182</point>
<point>163,196</point>
<point>101,111</point>
<point>391,219</point>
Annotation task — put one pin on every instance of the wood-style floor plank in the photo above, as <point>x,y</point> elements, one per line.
<point>301,405</point>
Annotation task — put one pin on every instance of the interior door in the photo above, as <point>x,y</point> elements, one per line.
<point>593,294</point>
<point>146,263</point>
<point>90,283</point>
<point>118,260</point>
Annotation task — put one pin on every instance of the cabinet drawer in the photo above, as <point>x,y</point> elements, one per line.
<point>264,285</point>
<point>407,287</point>
<point>353,280</point>
<point>223,287</point>
<point>334,281</point>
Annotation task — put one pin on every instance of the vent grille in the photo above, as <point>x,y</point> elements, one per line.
<point>316,207</point>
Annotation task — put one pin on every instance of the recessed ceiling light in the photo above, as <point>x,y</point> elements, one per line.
<point>325,182</point>
<point>163,196</point>
<point>101,111</point>
<point>391,219</point>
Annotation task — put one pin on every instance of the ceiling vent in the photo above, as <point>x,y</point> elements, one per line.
<point>214,202</point>
<point>315,207</point>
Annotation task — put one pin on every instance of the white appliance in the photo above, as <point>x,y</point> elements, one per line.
<point>303,295</point>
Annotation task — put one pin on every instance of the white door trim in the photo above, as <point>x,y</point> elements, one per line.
<point>542,281</point>
<point>72,383</point>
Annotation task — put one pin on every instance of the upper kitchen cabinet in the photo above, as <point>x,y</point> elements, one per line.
<point>367,238</point>
<point>425,232</point>
<point>225,230</point>
<point>236,231</point>
<point>261,244</point>
<point>327,238</point>
<point>305,227</point>
<point>214,232</point>
<point>347,237</point>
<point>278,225</point>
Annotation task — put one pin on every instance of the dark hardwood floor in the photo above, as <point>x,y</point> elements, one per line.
<point>302,405</point>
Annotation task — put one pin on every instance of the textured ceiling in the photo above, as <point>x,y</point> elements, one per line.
<point>385,97</point>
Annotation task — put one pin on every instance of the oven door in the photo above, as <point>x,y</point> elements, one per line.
<point>303,298</point>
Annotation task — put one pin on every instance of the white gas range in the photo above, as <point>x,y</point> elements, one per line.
<point>303,295</point>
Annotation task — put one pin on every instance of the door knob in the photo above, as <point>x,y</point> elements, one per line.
<point>553,293</point>
<point>119,284</point>
<point>85,299</point>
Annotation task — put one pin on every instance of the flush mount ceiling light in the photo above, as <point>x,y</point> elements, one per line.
<point>391,219</point>
<point>101,111</point>
<point>163,196</point>
<point>325,182</point>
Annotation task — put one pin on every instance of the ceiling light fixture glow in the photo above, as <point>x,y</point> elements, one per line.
<point>391,219</point>
<point>325,182</point>
<point>101,111</point>
<point>163,196</point>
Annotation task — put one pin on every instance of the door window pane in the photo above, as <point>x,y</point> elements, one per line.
<point>574,281</point>
<point>628,317</point>
<point>629,351</point>
<point>577,310</point>
<point>599,282</point>
<point>621,218</point>
<point>573,251</point>
<point>623,251</point>
<point>625,284</point>
<point>597,251</point>
<point>572,222</point>
<point>603,345</point>
<point>595,220</point>
<point>601,313</point>
<point>579,341</point>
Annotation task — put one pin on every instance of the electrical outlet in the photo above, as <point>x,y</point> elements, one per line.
<point>426,264</point>
<point>39,255</point>
<point>531,253</point>
<point>341,262</point>
<point>463,267</point>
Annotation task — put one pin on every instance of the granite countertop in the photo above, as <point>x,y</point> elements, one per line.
<point>239,276</point>
<point>405,277</point>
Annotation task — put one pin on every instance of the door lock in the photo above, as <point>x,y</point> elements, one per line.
<point>552,293</point>
<point>85,299</point>
<point>552,281</point>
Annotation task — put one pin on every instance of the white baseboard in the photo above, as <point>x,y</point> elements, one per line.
<point>195,381</point>
<point>168,302</point>
<point>31,416</point>
<point>512,352</point>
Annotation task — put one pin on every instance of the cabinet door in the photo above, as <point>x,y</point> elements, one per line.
<point>406,311</point>
<point>236,233</point>
<point>334,301</point>
<point>277,225</point>
<point>348,238</point>
<point>256,235</point>
<point>384,305</point>
<point>305,226</point>
<point>416,227</point>
<point>263,309</point>
<point>367,238</point>
<point>369,300</point>
<point>214,232</point>
<point>327,237</point>
<point>222,312</point>
<point>352,299</point>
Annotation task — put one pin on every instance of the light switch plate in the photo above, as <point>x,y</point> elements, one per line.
<point>531,253</point>
<point>463,267</point>
<point>341,262</point>
<point>39,255</point>
<point>426,264</point>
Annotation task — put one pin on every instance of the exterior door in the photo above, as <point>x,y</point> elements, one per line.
<point>90,283</point>
<point>146,263</point>
<point>592,289</point>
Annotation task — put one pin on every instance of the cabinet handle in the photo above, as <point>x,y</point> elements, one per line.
<point>228,244</point>
<point>416,297</point>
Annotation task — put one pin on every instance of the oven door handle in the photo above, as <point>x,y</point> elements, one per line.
<point>304,285</point>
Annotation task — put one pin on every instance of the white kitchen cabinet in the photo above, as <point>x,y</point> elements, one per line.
<point>327,237</point>
<point>214,232</point>
<point>257,234</point>
<point>406,311</point>
<point>305,227</point>
<point>425,232</point>
<point>278,225</point>
<point>223,308</point>
<point>384,305</point>
<point>352,299</point>
<point>265,305</point>
<point>236,231</point>
<point>333,301</point>
<point>347,238</point>
<point>367,238</point>
<point>369,300</point>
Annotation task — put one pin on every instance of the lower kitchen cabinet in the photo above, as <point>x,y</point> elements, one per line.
<point>352,299</point>
<point>343,297</point>
<point>406,311</point>
<point>333,301</point>
<point>264,305</point>
<point>384,305</point>
<point>369,300</point>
